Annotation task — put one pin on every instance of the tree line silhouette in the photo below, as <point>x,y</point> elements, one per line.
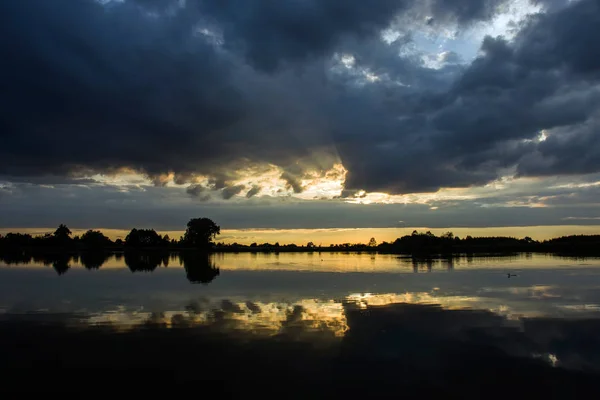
<point>199,235</point>
<point>201,232</point>
<point>424,244</point>
<point>427,243</point>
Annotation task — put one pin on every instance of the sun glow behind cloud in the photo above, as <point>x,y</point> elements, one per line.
<point>270,182</point>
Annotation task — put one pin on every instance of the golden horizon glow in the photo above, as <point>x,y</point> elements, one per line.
<point>327,236</point>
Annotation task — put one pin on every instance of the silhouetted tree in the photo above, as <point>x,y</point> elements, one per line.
<point>144,238</point>
<point>16,240</point>
<point>372,242</point>
<point>200,233</point>
<point>62,233</point>
<point>95,239</point>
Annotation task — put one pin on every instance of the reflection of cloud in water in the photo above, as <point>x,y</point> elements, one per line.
<point>367,330</point>
<point>254,317</point>
<point>273,318</point>
<point>535,291</point>
<point>369,299</point>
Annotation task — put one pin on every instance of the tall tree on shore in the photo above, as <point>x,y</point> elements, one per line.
<point>62,234</point>
<point>200,233</point>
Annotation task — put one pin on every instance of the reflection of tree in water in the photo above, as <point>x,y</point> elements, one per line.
<point>145,261</point>
<point>15,257</point>
<point>93,259</point>
<point>199,267</point>
<point>428,263</point>
<point>60,263</point>
<point>418,263</point>
<point>449,262</point>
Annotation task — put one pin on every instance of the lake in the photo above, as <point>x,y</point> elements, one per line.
<point>530,315</point>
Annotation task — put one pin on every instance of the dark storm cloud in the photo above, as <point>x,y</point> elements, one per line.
<point>98,87</point>
<point>94,87</point>
<point>572,150</point>
<point>203,87</point>
<point>546,78</point>
<point>269,33</point>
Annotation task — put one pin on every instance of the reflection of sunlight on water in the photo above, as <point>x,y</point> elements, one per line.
<point>581,307</point>
<point>333,262</point>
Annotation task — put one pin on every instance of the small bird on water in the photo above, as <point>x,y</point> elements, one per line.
<point>509,274</point>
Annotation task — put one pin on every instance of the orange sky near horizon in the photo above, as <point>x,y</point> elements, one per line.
<point>325,237</point>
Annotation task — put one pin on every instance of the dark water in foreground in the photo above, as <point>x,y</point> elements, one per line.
<point>305,325</point>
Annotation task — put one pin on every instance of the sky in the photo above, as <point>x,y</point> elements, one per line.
<point>300,114</point>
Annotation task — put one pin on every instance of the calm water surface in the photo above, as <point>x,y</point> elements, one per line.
<point>414,314</point>
<point>126,290</point>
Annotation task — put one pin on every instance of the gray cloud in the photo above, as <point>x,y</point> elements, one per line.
<point>460,11</point>
<point>551,5</point>
<point>101,88</point>
<point>272,33</point>
<point>572,150</point>
<point>208,88</point>
<point>253,191</point>
<point>292,181</point>
<point>231,191</point>
<point>48,180</point>
<point>199,192</point>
